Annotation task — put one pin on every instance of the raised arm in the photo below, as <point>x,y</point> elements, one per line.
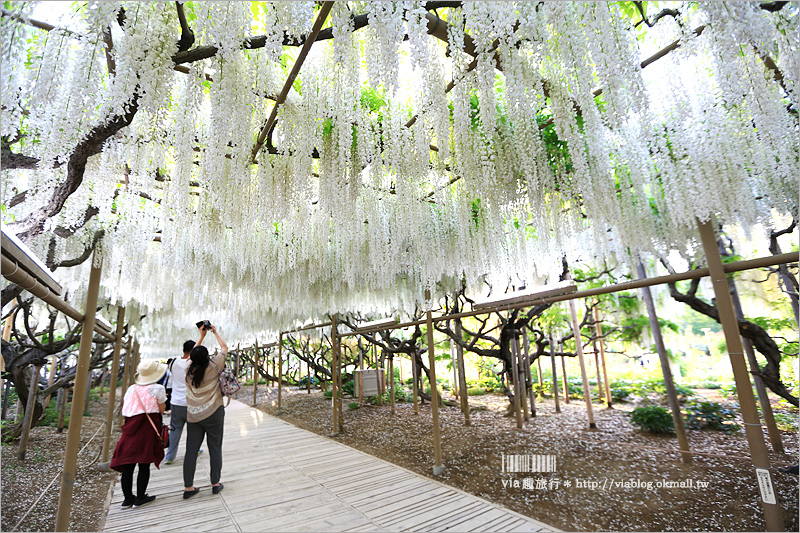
<point>222,345</point>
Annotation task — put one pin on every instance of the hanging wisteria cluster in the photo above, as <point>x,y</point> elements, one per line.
<point>396,164</point>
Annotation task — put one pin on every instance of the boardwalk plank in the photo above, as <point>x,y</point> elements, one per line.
<point>281,478</point>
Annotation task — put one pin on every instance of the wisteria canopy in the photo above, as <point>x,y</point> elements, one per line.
<point>421,146</point>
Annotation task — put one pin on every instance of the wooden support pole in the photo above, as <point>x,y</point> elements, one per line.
<point>112,385</point>
<point>597,369</point>
<point>391,382</point>
<point>576,332</point>
<point>539,373</point>
<point>454,362</point>
<point>280,369</point>
<point>50,380</point>
<point>669,385</point>
<point>564,375</point>
<point>773,513</point>
<point>599,332</point>
<point>308,369</point>
<point>415,378</point>
<point>527,369</point>
<point>7,327</point>
<point>33,391</point>
<point>758,380</point>
<point>555,374</point>
<point>334,385</point>
<point>76,413</point>
<point>61,403</point>
<point>437,439</point>
<point>255,372</point>
<point>516,378</point>
<point>125,372</point>
<point>522,361</point>
<point>88,390</point>
<point>462,375</point>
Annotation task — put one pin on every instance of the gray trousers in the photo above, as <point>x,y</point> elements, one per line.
<point>176,421</point>
<point>211,429</point>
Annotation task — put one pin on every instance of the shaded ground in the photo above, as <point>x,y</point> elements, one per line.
<point>605,480</point>
<point>23,482</point>
<point>615,452</point>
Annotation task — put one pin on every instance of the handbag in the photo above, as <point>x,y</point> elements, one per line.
<point>164,433</point>
<point>228,385</point>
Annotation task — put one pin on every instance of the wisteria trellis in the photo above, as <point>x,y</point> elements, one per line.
<point>519,164</point>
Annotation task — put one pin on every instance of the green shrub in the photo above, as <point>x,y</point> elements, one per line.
<point>353,405</point>
<point>489,383</point>
<point>711,415</point>
<point>786,422</point>
<point>621,394</point>
<point>348,388</point>
<point>51,415</point>
<point>400,393</point>
<point>653,419</point>
<point>328,394</point>
<point>303,382</point>
<point>475,391</point>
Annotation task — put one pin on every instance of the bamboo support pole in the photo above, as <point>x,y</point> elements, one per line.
<point>280,369</point>
<point>308,376</point>
<point>522,362</point>
<point>112,385</point>
<point>33,391</point>
<point>576,332</point>
<point>599,332</point>
<point>773,513</point>
<point>527,368</point>
<point>462,376</point>
<point>564,373</point>
<point>415,385</point>
<point>437,439</point>
<point>391,382</point>
<point>515,378</point>
<point>76,414</point>
<point>7,327</point>
<point>334,388</point>
<point>761,389</point>
<point>555,374</point>
<point>61,403</point>
<point>255,371</point>
<point>597,370</point>
<point>539,373</point>
<point>669,385</point>
<point>50,380</point>
<point>454,362</point>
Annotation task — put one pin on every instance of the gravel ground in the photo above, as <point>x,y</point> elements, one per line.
<point>605,479</point>
<point>25,481</point>
<point>608,469</point>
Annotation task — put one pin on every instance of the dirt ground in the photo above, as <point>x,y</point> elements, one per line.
<point>613,478</point>
<point>604,480</point>
<point>23,482</point>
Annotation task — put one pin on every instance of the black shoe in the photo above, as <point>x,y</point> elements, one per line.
<point>143,500</point>
<point>216,489</point>
<point>127,504</point>
<point>189,493</point>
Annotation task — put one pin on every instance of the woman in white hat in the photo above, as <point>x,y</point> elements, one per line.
<point>141,443</point>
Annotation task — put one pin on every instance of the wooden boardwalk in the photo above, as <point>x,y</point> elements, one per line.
<point>281,478</point>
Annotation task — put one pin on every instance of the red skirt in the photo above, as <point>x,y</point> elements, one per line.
<point>138,443</point>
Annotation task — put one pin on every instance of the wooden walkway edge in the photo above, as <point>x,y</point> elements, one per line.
<point>279,477</point>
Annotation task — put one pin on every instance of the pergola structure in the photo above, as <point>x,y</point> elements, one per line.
<point>263,164</point>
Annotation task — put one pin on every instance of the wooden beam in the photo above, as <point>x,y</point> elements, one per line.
<point>320,20</point>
